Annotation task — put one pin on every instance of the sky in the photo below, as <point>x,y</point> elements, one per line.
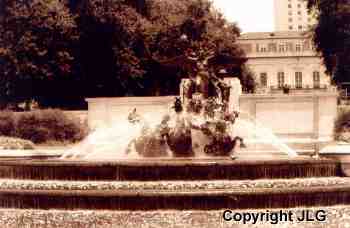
<point>251,15</point>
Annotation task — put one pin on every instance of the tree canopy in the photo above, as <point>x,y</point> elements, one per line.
<point>332,36</point>
<point>69,49</point>
<point>35,44</point>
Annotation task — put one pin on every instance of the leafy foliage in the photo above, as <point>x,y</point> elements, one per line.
<point>9,143</point>
<point>108,47</point>
<point>35,44</point>
<point>332,36</point>
<point>42,126</point>
<point>49,125</point>
<point>342,125</point>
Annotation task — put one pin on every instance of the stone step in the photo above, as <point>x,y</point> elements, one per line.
<point>169,169</point>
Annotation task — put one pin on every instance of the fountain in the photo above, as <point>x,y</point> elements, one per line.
<point>201,123</point>
<point>178,160</point>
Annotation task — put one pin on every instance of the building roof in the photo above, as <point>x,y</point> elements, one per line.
<point>273,35</point>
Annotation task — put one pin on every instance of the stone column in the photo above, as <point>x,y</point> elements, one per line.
<point>235,93</point>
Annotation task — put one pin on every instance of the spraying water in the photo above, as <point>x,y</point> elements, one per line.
<point>111,142</point>
<point>118,140</point>
<point>198,125</point>
<point>256,133</point>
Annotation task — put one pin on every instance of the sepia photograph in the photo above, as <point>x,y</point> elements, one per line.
<point>174,113</point>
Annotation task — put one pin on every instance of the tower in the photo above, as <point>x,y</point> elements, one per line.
<point>292,15</point>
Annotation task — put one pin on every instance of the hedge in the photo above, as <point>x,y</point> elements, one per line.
<point>42,126</point>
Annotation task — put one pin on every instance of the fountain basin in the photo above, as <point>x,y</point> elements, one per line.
<point>167,169</point>
<point>178,184</point>
<point>179,200</point>
<point>339,152</point>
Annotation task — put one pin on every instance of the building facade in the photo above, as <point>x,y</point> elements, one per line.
<point>292,15</point>
<point>281,59</point>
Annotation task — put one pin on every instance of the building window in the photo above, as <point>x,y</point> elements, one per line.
<point>263,79</point>
<point>289,6</point>
<point>298,47</point>
<point>298,80</point>
<point>290,19</point>
<point>290,13</point>
<point>299,6</point>
<point>300,27</point>
<point>306,45</point>
<point>257,48</point>
<point>316,79</point>
<point>299,13</point>
<point>289,46</point>
<point>280,79</point>
<point>281,48</point>
<point>272,47</point>
<point>290,27</point>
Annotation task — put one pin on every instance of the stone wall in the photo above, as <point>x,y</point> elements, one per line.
<point>106,111</point>
<point>309,115</point>
<point>298,115</point>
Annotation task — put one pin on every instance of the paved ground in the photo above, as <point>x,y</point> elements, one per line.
<point>336,217</point>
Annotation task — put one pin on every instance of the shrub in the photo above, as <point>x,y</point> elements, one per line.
<point>342,124</point>
<point>7,123</point>
<point>8,143</point>
<point>49,125</point>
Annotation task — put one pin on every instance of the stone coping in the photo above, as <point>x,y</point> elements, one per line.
<point>182,193</point>
<point>31,153</point>
<point>243,96</point>
<point>130,100</point>
<point>169,186</point>
<point>169,162</point>
<point>289,96</point>
<point>338,149</point>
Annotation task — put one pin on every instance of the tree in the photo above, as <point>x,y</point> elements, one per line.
<point>36,38</point>
<point>110,52</point>
<point>127,53</point>
<point>332,36</point>
<point>190,26</point>
<point>109,47</point>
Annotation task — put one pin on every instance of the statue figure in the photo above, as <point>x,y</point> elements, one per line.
<point>152,141</point>
<point>202,79</point>
<point>178,137</point>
